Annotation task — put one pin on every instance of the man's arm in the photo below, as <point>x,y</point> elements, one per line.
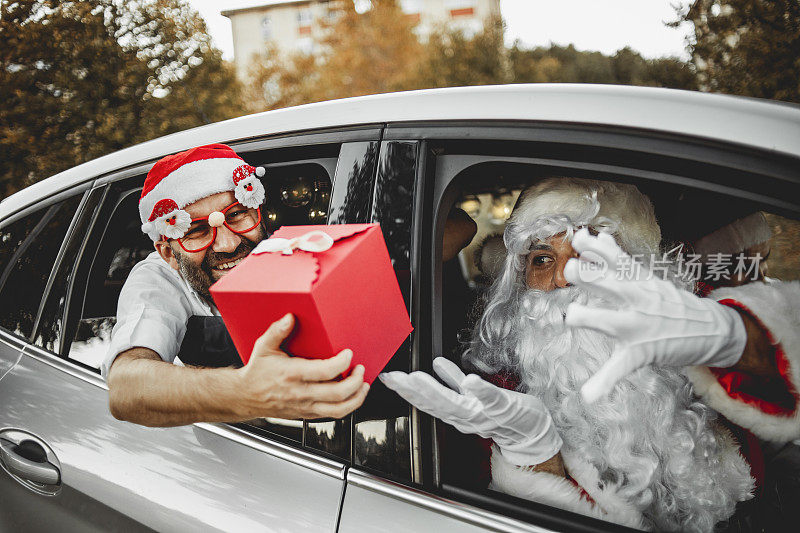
<point>758,357</point>
<point>554,465</point>
<point>146,390</point>
<point>459,229</point>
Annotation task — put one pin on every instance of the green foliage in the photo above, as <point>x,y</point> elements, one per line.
<point>452,58</point>
<point>85,78</point>
<point>567,65</point>
<point>377,52</point>
<point>747,47</point>
<point>368,53</point>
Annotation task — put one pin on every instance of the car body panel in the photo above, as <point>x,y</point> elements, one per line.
<point>192,477</point>
<point>373,504</point>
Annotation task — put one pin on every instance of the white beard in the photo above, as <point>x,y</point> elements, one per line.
<point>650,440</point>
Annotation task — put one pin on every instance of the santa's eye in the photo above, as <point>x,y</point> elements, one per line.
<point>541,260</point>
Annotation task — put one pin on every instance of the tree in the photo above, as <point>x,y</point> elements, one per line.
<point>84,78</point>
<point>361,53</point>
<point>746,47</point>
<point>453,58</point>
<point>565,64</point>
<point>377,51</point>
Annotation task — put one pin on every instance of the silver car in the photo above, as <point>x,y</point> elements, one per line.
<point>404,160</point>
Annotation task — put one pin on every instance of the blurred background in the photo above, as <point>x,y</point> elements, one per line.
<point>82,79</point>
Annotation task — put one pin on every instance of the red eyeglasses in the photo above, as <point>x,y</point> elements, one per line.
<point>202,233</point>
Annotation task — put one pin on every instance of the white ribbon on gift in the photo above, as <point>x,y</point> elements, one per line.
<point>313,241</point>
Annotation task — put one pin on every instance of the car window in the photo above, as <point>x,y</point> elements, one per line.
<point>116,244</point>
<point>29,251</point>
<point>733,239</point>
<point>50,330</point>
<point>382,429</point>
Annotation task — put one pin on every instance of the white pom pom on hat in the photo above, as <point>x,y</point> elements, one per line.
<point>181,179</point>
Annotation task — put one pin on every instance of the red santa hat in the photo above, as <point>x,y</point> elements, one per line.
<point>186,177</point>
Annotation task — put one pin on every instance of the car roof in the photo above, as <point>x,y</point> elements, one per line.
<point>760,124</point>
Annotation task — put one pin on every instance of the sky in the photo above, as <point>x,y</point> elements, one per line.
<point>601,25</point>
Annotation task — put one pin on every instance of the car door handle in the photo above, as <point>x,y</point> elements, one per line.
<point>28,460</point>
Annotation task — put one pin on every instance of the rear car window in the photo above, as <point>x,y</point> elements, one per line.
<point>27,255</point>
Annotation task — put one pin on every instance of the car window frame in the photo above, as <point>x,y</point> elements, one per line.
<point>79,190</point>
<point>437,195</point>
<point>282,447</point>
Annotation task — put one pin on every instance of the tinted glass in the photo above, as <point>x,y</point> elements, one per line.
<point>355,172</point>
<point>382,439</point>
<point>51,324</point>
<point>329,436</point>
<point>30,247</point>
<point>349,202</point>
<point>115,245</point>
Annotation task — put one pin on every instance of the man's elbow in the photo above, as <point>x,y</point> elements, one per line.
<point>118,396</point>
<point>115,403</point>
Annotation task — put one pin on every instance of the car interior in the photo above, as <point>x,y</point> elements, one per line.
<point>487,192</point>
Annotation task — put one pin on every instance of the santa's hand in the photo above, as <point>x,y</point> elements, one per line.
<point>518,423</point>
<point>657,323</point>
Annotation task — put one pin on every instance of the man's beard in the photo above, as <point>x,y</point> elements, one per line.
<point>200,277</point>
<point>649,440</point>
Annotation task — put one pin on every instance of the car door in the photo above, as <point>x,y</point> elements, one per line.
<point>460,166</point>
<point>391,461</point>
<point>112,475</point>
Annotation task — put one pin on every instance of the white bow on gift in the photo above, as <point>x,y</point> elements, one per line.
<point>313,241</point>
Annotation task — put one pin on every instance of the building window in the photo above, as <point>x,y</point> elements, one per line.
<point>460,8</point>
<point>266,28</point>
<point>304,20</point>
<point>304,17</point>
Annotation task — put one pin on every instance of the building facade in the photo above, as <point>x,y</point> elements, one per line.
<point>297,25</point>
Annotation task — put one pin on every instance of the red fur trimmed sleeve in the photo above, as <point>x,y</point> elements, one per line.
<point>769,408</point>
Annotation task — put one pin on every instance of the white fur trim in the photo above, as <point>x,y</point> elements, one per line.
<point>253,198</point>
<point>588,477</point>
<point>637,230</point>
<point>555,491</point>
<point>777,306</point>
<point>191,182</point>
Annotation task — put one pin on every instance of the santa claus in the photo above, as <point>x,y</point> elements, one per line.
<point>620,372</point>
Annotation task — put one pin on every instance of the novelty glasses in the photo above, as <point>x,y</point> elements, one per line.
<point>236,217</point>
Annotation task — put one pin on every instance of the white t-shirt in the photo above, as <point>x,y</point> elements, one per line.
<point>153,308</point>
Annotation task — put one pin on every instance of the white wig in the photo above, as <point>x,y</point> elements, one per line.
<point>650,438</point>
<point>550,207</point>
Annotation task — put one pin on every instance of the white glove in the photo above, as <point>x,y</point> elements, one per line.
<point>518,423</point>
<point>659,324</point>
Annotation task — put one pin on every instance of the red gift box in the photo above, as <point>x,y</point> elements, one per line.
<point>344,297</point>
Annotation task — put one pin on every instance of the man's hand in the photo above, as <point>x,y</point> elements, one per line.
<point>276,385</point>
<point>658,323</point>
<point>518,423</point>
<point>146,390</point>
